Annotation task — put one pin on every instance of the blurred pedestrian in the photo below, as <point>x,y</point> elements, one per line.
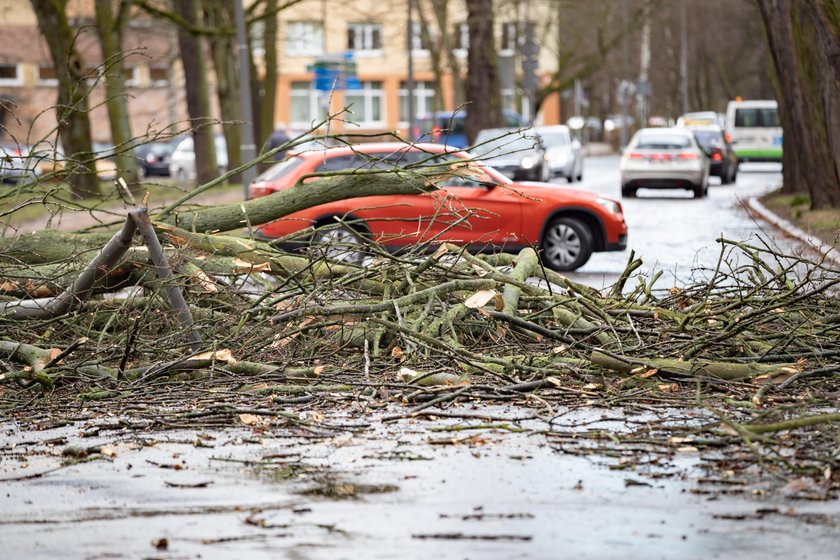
<point>277,139</point>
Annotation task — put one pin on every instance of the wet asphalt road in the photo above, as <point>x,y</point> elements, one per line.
<point>673,232</point>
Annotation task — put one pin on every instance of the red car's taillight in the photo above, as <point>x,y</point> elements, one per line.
<point>717,156</point>
<point>258,191</point>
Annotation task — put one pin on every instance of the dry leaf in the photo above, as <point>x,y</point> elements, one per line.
<point>669,387</point>
<point>398,354</point>
<point>649,373</point>
<point>108,451</point>
<point>554,381</point>
<point>499,301</point>
<point>480,298</point>
<point>558,349</point>
<point>318,370</point>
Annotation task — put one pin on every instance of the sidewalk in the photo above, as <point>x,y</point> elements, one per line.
<point>830,253</point>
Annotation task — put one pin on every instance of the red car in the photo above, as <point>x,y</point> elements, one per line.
<point>486,212</point>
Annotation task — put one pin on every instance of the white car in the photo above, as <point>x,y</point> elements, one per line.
<point>564,152</point>
<point>182,160</point>
<point>664,158</point>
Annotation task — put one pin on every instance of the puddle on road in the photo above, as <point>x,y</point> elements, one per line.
<point>397,490</point>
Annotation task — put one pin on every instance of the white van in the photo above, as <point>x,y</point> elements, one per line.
<point>755,130</point>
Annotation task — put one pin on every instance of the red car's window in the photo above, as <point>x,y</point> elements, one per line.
<point>280,169</point>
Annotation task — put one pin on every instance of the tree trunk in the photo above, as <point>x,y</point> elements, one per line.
<point>219,15</point>
<point>73,90</point>
<point>804,41</point>
<point>110,30</point>
<point>198,96</point>
<point>482,91</point>
<point>269,79</point>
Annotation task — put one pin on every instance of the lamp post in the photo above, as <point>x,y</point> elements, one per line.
<point>409,82</point>
<point>248,150</point>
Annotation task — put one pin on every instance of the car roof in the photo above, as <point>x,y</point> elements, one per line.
<point>373,147</point>
<point>664,130</point>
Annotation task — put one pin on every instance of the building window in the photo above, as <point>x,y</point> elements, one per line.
<point>304,38</point>
<point>257,31</point>
<point>158,76</point>
<point>10,75</point>
<point>134,77</point>
<point>366,104</point>
<point>424,96</point>
<point>46,76</point>
<point>509,37</point>
<point>364,37</point>
<point>419,40</point>
<point>304,107</point>
<point>461,39</point>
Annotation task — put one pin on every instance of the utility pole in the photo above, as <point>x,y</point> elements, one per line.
<point>643,89</point>
<point>248,149</point>
<point>409,82</point>
<point>684,55</point>
<point>625,22</point>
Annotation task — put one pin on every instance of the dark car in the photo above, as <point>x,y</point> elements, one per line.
<point>447,127</point>
<point>153,158</point>
<point>724,162</point>
<point>518,154</point>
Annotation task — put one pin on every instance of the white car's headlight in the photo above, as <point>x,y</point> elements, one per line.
<point>610,206</point>
<point>561,159</point>
<point>527,162</point>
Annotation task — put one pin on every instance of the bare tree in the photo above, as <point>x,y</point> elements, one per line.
<point>482,91</point>
<point>109,27</point>
<point>73,90</point>
<point>804,41</point>
<point>198,94</point>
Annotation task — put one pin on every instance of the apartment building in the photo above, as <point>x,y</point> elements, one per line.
<point>375,35</point>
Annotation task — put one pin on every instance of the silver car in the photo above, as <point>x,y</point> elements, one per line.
<point>182,160</point>
<point>564,152</point>
<point>664,158</point>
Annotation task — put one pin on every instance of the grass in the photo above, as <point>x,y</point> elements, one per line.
<point>24,203</point>
<point>796,208</point>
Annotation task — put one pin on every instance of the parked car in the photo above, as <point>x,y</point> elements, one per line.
<point>664,158</point>
<point>564,152</point>
<point>15,165</point>
<point>153,158</point>
<point>106,165</point>
<point>519,154</point>
<point>484,212</point>
<point>447,127</point>
<point>182,160</point>
<point>723,161</point>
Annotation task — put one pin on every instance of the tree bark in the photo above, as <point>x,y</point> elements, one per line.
<point>482,91</point>
<point>73,90</point>
<point>109,27</point>
<point>804,41</point>
<point>198,96</point>
<point>219,15</point>
<point>269,78</point>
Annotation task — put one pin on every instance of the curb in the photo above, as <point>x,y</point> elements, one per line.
<point>829,253</point>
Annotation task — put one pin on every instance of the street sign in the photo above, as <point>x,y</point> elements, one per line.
<point>335,72</point>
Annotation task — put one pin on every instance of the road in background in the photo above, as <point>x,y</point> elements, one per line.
<point>673,232</point>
